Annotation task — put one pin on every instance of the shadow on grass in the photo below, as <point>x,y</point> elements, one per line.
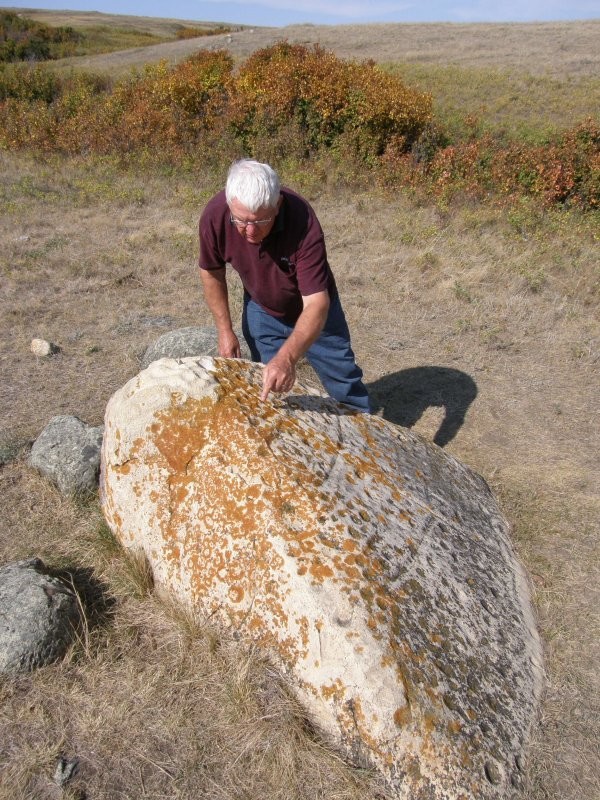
<point>403,397</point>
<point>97,603</point>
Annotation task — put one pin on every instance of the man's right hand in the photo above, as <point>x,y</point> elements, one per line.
<point>214,283</point>
<point>229,345</point>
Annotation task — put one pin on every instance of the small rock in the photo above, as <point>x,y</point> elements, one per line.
<point>42,348</point>
<point>187,342</point>
<point>65,770</point>
<point>38,616</point>
<point>68,453</point>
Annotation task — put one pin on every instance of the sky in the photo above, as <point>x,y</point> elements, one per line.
<point>278,13</point>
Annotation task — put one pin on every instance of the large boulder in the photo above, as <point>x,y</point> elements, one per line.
<point>374,567</point>
<point>39,615</point>
<point>67,452</point>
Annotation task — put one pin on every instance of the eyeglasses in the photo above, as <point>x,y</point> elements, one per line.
<point>241,223</point>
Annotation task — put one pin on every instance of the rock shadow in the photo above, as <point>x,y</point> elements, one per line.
<point>97,603</point>
<point>403,397</point>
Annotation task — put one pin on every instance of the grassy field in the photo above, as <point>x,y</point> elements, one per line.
<point>514,104</point>
<point>162,28</point>
<point>521,80</point>
<point>108,33</point>
<point>561,51</point>
<point>101,260</point>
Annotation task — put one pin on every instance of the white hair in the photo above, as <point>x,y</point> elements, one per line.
<point>252,184</point>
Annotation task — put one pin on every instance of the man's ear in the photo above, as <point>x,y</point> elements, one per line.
<point>279,202</point>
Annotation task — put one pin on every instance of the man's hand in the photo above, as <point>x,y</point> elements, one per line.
<point>279,375</point>
<point>215,291</point>
<point>229,345</point>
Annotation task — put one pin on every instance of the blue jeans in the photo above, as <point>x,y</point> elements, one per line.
<point>330,356</point>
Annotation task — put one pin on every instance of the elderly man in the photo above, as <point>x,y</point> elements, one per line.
<point>272,238</point>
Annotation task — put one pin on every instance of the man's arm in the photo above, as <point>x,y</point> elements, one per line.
<point>214,283</point>
<point>280,373</point>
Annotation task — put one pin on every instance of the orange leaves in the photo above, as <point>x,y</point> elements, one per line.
<point>565,172</point>
<point>325,95</point>
<point>290,100</point>
<point>319,96</point>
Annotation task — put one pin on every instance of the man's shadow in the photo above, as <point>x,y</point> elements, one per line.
<point>404,396</point>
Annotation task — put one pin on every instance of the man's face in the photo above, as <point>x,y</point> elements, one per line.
<point>254,227</point>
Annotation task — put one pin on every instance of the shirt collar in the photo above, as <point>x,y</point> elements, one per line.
<point>280,218</point>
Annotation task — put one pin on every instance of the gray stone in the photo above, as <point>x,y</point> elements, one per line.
<point>68,453</point>
<point>38,616</point>
<point>186,342</point>
<point>376,569</point>
<point>66,768</point>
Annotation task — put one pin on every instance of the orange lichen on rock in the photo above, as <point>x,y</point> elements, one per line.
<point>336,689</point>
<point>328,538</point>
<point>402,716</point>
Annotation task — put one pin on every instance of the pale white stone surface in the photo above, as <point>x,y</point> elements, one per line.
<point>376,569</point>
<point>42,348</point>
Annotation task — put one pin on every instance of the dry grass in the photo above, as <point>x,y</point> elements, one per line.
<point>102,261</point>
<point>108,263</point>
<point>163,26</point>
<point>560,50</point>
<point>512,102</point>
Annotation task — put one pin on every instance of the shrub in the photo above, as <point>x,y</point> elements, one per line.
<point>162,108</point>
<point>166,108</point>
<point>563,172</point>
<point>194,33</point>
<point>23,39</point>
<point>431,139</point>
<point>28,83</point>
<point>324,97</point>
<point>287,103</point>
<point>578,181</point>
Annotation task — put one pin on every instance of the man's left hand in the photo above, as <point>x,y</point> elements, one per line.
<point>279,375</point>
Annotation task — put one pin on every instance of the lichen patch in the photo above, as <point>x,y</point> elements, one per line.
<point>372,566</point>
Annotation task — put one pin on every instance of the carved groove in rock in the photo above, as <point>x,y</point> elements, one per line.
<point>374,567</point>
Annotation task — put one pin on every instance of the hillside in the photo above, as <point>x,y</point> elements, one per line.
<point>549,48</point>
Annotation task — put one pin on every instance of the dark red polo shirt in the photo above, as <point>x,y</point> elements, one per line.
<point>289,263</point>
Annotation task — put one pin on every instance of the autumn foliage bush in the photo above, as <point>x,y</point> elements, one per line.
<point>166,107</point>
<point>325,98</point>
<point>23,39</point>
<point>562,172</point>
<point>193,33</point>
<point>289,100</point>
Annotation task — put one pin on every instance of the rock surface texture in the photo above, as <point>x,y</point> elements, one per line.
<point>187,342</point>
<point>374,567</point>
<point>40,347</point>
<point>67,452</point>
<point>38,616</point>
